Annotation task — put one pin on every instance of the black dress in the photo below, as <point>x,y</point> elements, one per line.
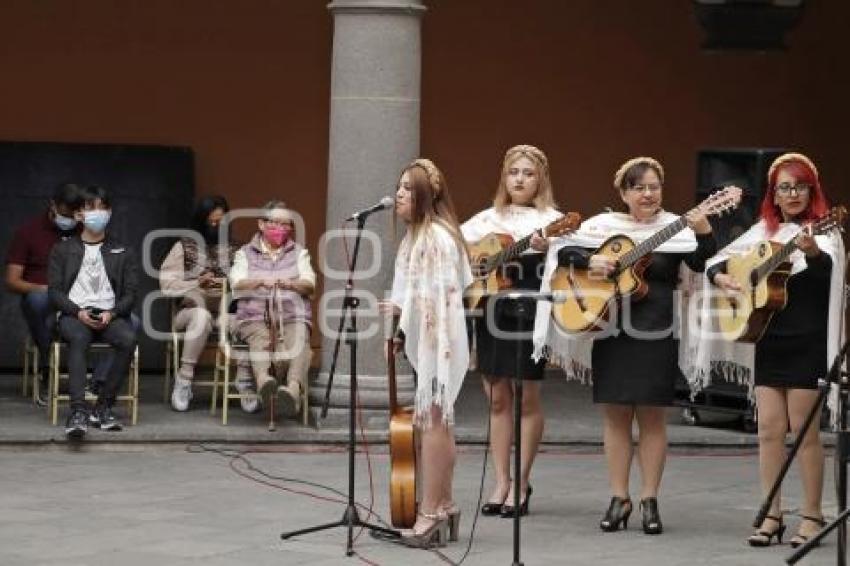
<point>640,364</point>
<point>497,356</point>
<point>792,352</point>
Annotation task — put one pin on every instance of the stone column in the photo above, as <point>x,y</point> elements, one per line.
<point>374,132</point>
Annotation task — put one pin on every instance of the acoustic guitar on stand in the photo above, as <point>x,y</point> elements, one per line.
<point>495,250</point>
<point>590,297</point>
<point>763,273</point>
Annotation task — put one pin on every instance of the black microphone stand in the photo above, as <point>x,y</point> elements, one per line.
<point>521,308</point>
<point>350,517</point>
<point>841,457</point>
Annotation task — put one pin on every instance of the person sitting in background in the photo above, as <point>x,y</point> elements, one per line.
<point>273,267</point>
<point>26,269</point>
<point>93,282</point>
<point>193,271</point>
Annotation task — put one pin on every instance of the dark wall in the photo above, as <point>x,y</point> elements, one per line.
<point>593,83</point>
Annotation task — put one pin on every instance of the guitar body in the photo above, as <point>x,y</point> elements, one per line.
<point>402,440</point>
<point>493,281</point>
<point>589,297</point>
<point>745,317</point>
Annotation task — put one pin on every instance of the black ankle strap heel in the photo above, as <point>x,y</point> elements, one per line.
<point>618,512</point>
<point>651,518</point>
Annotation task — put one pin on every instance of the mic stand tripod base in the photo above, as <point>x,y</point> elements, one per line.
<point>350,518</point>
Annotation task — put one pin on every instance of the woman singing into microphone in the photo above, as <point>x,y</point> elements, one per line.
<point>431,273</point>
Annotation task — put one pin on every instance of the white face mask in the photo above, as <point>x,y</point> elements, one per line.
<point>64,223</point>
<point>96,220</point>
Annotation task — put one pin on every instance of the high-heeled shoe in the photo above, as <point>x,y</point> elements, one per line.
<point>798,539</point>
<point>491,509</point>
<point>618,512</point>
<point>508,510</point>
<point>452,513</point>
<point>650,517</point>
<point>435,535</point>
<point>763,537</point>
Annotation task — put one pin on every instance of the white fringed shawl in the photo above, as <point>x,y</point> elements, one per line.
<point>573,351</point>
<point>734,361</point>
<point>515,220</point>
<point>431,274</point>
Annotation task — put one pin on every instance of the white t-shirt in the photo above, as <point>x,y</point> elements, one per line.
<point>92,287</point>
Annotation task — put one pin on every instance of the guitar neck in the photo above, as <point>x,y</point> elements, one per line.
<point>391,378</point>
<point>776,259</point>
<point>647,246</point>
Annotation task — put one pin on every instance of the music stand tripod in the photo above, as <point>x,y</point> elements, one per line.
<point>842,456</point>
<point>522,310</point>
<point>350,518</point>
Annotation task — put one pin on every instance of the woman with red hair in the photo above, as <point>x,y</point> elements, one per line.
<point>800,340</point>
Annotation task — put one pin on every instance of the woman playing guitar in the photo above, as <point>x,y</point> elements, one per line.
<point>635,361</point>
<point>800,339</point>
<point>522,206</point>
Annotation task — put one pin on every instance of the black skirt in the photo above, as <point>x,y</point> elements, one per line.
<point>507,356</point>
<point>793,362</point>
<point>628,371</point>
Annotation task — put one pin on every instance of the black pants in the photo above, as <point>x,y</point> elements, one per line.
<point>119,334</point>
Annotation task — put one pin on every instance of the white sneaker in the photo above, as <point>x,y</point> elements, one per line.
<point>250,403</point>
<point>182,394</point>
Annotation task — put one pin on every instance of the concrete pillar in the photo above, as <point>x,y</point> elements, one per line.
<point>374,132</point>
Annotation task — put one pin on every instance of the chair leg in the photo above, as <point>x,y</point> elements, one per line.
<point>225,389</point>
<point>135,381</point>
<point>34,378</point>
<point>216,382</point>
<point>25,377</point>
<point>53,397</point>
<point>166,377</point>
<point>305,403</point>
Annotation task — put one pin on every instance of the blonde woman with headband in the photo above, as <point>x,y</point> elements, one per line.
<point>523,205</point>
<point>633,361</point>
<point>431,273</point>
<point>799,342</point>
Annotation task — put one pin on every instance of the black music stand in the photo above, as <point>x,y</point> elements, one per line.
<point>350,518</point>
<point>842,456</point>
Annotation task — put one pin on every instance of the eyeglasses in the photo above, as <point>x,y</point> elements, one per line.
<point>651,187</point>
<point>278,222</point>
<point>785,189</point>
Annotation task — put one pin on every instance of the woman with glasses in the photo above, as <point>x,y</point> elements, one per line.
<point>633,361</point>
<point>800,340</point>
<point>274,270</point>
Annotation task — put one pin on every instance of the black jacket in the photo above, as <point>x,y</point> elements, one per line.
<point>122,269</point>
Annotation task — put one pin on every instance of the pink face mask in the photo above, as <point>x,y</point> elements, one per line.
<point>277,235</point>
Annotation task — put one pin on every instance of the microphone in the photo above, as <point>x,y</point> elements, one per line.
<point>385,203</point>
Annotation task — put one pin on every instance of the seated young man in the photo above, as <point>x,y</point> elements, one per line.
<point>273,265</point>
<point>26,269</point>
<point>92,282</point>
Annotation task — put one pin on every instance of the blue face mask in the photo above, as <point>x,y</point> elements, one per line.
<point>64,223</point>
<point>96,220</point>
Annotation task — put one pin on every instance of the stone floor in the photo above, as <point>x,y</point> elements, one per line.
<point>163,505</point>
